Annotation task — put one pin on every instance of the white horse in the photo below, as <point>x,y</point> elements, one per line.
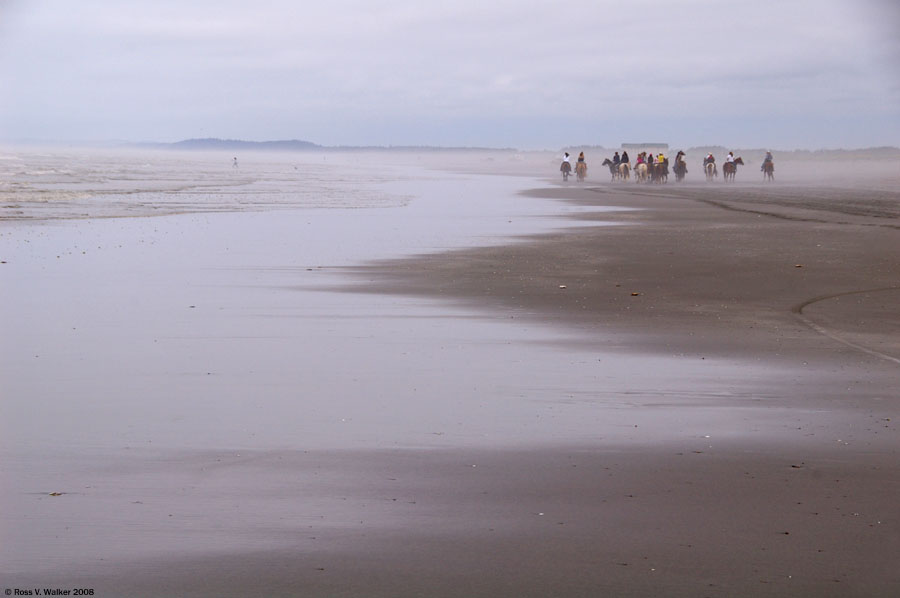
<point>641,173</point>
<point>624,171</point>
<point>710,170</point>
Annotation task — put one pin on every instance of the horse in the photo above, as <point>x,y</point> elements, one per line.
<point>710,170</point>
<point>613,169</point>
<point>680,167</point>
<point>581,170</point>
<point>624,171</point>
<point>641,173</point>
<point>566,169</point>
<point>769,171</point>
<point>659,172</point>
<point>730,168</point>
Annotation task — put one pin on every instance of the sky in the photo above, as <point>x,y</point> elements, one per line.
<point>529,74</point>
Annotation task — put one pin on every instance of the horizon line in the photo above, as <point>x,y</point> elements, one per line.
<point>310,145</point>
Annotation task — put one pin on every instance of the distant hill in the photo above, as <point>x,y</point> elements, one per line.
<point>212,143</point>
<point>237,144</point>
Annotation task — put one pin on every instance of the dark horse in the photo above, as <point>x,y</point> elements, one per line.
<point>730,168</point>
<point>769,171</point>
<point>659,172</point>
<point>566,169</point>
<point>680,167</point>
<point>613,168</point>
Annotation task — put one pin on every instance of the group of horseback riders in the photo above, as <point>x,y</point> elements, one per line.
<point>646,167</point>
<point>729,168</point>
<point>656,168</point>
<point>580,167</point>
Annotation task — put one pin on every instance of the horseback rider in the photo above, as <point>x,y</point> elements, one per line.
<point>625,158</point>
<point>616,159</point>
<point>662,166</point>
<point>766,160</point>
<point>680,166</point>
<point>581,157</point>
<point>565,166</point>
<point>729,159</point>
<point>710,159</point>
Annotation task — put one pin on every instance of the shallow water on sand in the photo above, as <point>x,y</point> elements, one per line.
<point>55,184</point>
<point>136,343</point>
<point>220,330</point>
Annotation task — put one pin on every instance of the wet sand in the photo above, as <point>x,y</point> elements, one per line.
<point>689,271</point>
<point>803,280</point>
<point>688,519</point>
<point>707,408</point>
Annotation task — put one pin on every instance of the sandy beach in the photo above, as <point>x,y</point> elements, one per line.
<point>473,381</point>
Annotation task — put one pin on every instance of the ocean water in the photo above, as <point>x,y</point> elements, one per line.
<point>115,316</point>
<point>57,184</point>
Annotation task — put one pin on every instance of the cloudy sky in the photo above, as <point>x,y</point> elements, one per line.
<point>531,74</point>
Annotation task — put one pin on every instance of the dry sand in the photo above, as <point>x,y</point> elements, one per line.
<point>707,408</point>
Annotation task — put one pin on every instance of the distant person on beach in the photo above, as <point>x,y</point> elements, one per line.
<point>766,160</point>
<point>709,159</point>
<point>581,157</point>
<point>617,159</point>
<point>729,158</point>
<point>234,164</point>
<point>625,157</point>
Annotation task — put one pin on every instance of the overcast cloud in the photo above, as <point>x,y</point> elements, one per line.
<point>526,73</point>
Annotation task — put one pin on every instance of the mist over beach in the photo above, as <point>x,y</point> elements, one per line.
<point>298,302</point>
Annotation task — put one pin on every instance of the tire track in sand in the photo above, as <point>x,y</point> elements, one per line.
<point>798,312</point>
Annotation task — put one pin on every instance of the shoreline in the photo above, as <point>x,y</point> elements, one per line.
<point>679,274</point>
